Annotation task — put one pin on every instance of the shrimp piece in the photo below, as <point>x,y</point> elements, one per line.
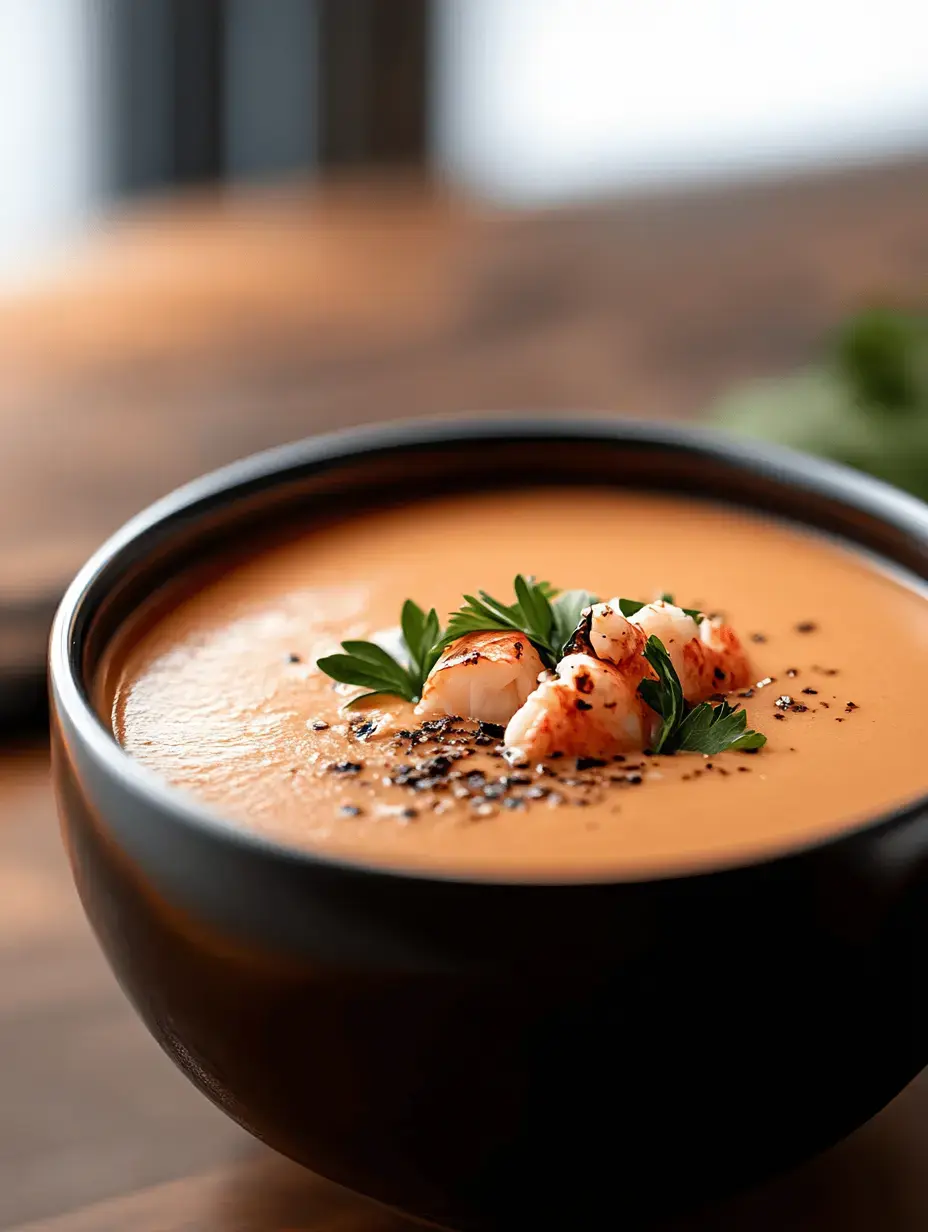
<point>588,707</point>
<point>707,656</point>
<point>606,634</point>
<point>723,658</point>
<point>483,676</point>
<point>674,628</point>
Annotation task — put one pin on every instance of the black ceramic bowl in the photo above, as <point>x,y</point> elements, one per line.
<point>478,1053</point>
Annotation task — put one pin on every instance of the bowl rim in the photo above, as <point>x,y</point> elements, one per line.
<point>853,489</point>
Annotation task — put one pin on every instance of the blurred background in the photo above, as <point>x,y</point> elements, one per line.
<point>225,224</point>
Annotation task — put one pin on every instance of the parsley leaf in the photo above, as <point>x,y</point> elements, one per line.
<point>696,614</point>
<point>713,729</point>
<point>568,607</point>
<point>549,620</point>
<point>372,667</point>
<point>698,729</point>
<point>355,668</point>
<point>664,695</point>
<point>422,635</point>
<point>628,607</point>
<point>532,614</point>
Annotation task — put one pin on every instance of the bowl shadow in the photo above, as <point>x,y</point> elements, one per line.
<point>874,1179</point>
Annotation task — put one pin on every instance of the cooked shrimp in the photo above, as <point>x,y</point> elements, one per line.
<point>606,634</point>
<point>723,657</point>
<point>484,676</point>
<point>706,655</point>
<point>589,707</point>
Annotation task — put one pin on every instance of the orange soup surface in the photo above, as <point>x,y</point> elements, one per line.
<point>219,692</point>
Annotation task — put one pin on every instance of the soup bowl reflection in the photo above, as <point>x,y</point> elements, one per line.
<point>476,1052</point>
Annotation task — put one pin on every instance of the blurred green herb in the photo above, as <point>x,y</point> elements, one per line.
<point>879,354</point>
<point>864,403</point>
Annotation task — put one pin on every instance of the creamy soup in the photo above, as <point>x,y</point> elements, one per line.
<point>220,694</point>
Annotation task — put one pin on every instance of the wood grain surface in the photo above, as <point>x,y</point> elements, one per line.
<point>192,333</point>
<point>189,334</point>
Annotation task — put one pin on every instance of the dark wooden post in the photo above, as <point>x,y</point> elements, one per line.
<point>373,82</point>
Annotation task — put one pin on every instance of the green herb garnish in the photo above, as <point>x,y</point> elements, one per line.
<point>713,729</point>
<point>628,607</point>
<point>422,635</point>
<point>698,729</point>
<point>568,608</point>
<point>375,669</point>
<point>546,617</point>
<point>696,614</point>
<point>549,620</point>
<point>531,614</point>
<point>664,695</point>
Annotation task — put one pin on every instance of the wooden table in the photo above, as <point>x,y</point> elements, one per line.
<point>190,334</point>
<point>193,333</point>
